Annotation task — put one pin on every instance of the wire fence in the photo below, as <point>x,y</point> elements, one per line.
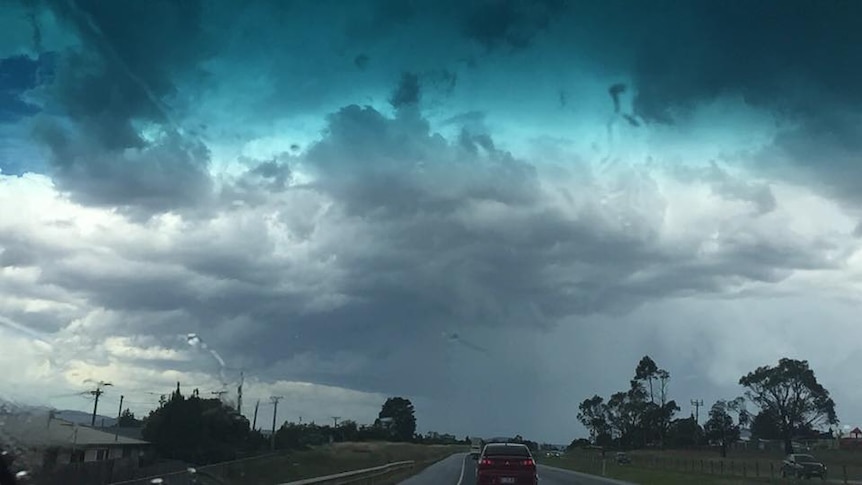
<point>765,469</point>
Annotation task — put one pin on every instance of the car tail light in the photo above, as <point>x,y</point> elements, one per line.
<point>485,462</point>
<point>529,463</point>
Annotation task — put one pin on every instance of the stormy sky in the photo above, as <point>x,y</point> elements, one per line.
<point>494,207</point>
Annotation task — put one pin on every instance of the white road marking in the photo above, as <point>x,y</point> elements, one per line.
<point>463,466</point>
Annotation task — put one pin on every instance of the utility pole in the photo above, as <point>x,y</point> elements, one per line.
<point>697,403</point>
<point>120,411</point>
<point>97,392</point>
<point>119,415</point>
<point>335,421</point>
<point>254,421</point>
<point>274,400</point>
<point>239,393</point>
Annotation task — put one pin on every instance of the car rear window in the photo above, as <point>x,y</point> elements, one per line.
<point>499,450</point>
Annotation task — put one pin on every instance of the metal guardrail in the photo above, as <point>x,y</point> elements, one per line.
<point>203,475</point>
<point>364,476</point>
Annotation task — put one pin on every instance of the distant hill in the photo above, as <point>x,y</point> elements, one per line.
<point>81,417</point>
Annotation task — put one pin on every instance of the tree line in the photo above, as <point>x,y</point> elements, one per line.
<point>790,405</point>
<point>206,430</point>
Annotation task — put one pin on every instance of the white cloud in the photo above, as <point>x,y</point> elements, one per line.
<point>124,347</point>
<point>505,207</point>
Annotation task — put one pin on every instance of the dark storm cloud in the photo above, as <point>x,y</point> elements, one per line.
<point>143,48</point>
<point>153,177</point>
<point>404,236</point>
<point>450,232</point>
<point>531,267</point>
<point>787,55</point>
<point>798,59</point>
<point>260,180</point>
<point>408,91</point>
<point>508,23</point>
<point>131,57</point>
<point>822,153</point>
<point>421,236</point>
<point>18,75</point>
<point>380,18</point>
<point>370,162</point>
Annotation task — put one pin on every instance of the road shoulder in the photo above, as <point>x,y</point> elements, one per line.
<point>585,476</point>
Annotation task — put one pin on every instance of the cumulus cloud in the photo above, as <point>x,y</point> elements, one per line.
<point>359,221</point>
<point>404,235</point>
<point>112,138</point>
<point>732,187</point>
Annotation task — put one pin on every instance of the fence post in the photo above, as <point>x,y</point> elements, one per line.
<point>844,468</point>
<point>711,467</point>
<point>721,471</point>
<point>701,465</point>
<point>757,469</point>
<point>771,470</point>
<point>732,468</point>
<point>744,469</point>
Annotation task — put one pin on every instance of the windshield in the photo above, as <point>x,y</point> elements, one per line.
<point>805,459</point>
<point>344,234</point>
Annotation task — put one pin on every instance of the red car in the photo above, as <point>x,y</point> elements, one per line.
<point>506,464</point>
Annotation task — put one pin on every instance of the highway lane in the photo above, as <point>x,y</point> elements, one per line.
<point>460,469</point>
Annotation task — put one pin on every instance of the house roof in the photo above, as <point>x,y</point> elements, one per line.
<point>134,432</point>
<point>38,429</point>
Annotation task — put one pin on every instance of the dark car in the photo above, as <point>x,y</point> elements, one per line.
<point>802,466</point>
<point>506,464</point>
<point>622,458</point>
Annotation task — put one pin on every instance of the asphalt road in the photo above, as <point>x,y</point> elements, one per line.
<point>459,469</point>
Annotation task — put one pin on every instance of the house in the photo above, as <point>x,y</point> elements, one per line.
<point>852,440</point>
<point>49,442</point>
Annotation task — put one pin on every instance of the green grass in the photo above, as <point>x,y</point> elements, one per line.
<point>836,460</point>
<point>644,475</point>
<point>328,460</point>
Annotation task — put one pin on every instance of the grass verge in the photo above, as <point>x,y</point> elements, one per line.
<point>328,460</point>
<point>647,476</point>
